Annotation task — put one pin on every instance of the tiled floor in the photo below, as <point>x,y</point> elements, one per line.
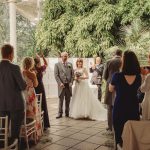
<point>70,134</point>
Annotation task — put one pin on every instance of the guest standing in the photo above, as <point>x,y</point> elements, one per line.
<point>97,70</point>
<point>29,93</point>
<point>110,68</point>
<point>40,88</point>
<point>11,87</point>
<point>145,88</point>
<point>126,83</point>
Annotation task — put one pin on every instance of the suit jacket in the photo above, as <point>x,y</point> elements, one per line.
<point>111,67</point>
<point>64,74</point>
<point>11,87</point>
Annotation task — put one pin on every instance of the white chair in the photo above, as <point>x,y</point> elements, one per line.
<point>4,128</point>
<point>28,129</point>
<point>4,131</point>
<point>14,146</point>
<point>39,103</point>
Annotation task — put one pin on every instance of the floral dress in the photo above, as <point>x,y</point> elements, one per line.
<point>31,104</point>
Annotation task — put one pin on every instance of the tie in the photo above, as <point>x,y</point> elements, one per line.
<point>64,64</point>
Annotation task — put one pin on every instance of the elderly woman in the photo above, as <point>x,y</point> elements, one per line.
<point>126,83</point>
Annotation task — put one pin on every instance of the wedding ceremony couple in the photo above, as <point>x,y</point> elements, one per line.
<point>81,102</point>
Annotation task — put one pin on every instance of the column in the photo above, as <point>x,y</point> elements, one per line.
<point>12,21</point>
<point>38,10</point>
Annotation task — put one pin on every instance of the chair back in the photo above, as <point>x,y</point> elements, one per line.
<point>39,101</point>
<point>4,131</point>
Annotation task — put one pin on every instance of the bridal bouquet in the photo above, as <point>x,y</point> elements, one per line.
<point>77,75</point>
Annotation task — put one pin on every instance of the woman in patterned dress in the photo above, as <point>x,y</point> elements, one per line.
<point>29,93</point>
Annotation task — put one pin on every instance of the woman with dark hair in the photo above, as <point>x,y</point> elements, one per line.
<point>126,84</point>
<point>39,69</point>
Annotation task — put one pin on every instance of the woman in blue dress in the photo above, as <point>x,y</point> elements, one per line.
<point>126,83</point>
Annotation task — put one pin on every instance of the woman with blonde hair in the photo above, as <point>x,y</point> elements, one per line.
<point>29,93</point>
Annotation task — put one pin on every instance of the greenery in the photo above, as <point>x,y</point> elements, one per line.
<point>86,27</point>
<point>25,33</point>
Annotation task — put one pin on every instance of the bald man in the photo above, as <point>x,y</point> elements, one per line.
<point>64,76</point>
<point>97,70</point>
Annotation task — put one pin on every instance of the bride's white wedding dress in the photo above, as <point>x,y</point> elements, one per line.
<point>84,102</point>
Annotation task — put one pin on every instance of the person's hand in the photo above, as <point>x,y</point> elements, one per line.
<point>62,85</point>
<point>29,84</point>
<point>37,55</point>
<point>91,64</point>
<point>94,66</point>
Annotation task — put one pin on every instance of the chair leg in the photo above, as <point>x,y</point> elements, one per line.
<point>35,136</point>
<point>27,141</point>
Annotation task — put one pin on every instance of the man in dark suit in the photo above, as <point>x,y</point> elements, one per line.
<point>11,87</point>
<point>111,67</point>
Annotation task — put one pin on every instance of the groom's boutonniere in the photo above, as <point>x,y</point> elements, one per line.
<point>69,65</point>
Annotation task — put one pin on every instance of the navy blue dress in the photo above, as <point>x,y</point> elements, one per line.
<point>126,106</point>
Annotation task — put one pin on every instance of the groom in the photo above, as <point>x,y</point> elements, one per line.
<point>64,76</point>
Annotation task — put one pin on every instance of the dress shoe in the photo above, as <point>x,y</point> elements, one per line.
<point>60,116</point>
<point>108,129</point>
<point>67,115</point>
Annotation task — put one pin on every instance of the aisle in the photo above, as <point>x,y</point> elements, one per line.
<point>69,134</point>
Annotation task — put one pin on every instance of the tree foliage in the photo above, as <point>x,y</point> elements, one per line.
<point>85,27</point>
<point>25,32</point>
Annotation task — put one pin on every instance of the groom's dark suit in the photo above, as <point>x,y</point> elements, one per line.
<point>11,99</point>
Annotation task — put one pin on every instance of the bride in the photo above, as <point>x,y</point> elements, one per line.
<point>84,103</point>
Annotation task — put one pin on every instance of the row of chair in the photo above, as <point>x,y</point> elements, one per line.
<point>28,127</point>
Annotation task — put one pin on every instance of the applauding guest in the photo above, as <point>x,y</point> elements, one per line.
<point>97,70</point>
<point>30,96</point>
<point>39,69</point>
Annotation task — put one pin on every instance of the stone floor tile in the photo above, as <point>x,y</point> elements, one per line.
<point>64,133</point>
<point>90,131</point>
<point>86,146</point>
<point>104,148</point>
<point>97,140</point>
<point>79,136</point>
<point>56,147</point>
<point>68,142</point>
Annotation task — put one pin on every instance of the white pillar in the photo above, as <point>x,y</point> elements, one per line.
<point>12,19</point>
<point>39,10</point>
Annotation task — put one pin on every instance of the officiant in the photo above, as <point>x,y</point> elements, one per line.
<point>97,70</point>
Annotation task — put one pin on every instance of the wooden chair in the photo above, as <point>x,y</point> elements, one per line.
<point>28,128</point>
<point>4,128</point>
<point>41,113</point>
